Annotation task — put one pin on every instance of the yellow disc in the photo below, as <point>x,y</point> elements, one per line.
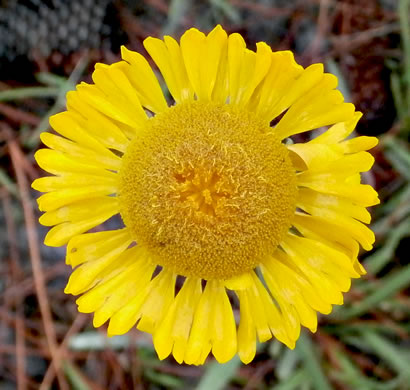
<point>207,189</point>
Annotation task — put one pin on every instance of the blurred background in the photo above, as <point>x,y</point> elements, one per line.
<point>47,46</point>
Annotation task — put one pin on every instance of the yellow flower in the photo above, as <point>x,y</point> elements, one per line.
<point>216,206</point>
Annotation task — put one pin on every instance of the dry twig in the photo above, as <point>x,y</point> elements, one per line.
<point>17,159</point>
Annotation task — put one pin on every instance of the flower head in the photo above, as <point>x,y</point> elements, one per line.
<point>209,193</point>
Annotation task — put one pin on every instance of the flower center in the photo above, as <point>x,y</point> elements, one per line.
<point>207,189</point>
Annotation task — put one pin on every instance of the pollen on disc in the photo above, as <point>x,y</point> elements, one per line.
<point>207,189</point>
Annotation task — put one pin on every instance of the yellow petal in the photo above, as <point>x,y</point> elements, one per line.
<point>80,153</point>
<point>277,87</point>
<point>117,88</point>
<point>241,282</point>
<point>192,46</point>
<point>224,338</point>
<point>347,165</point>
<point>159,297</point>
<point>92,246</point>
<point>173,331</point>
<point>56,199</point>
<point>112,106</point>
<point>304,260</point>
<point>216,46</point>
<point>91,273</point>
<point>333,235</point>
<point>355,229</point>
<point>183,323</point>
<point>340,185</point>
<point>306,81</point>
<point>201,333</point>
<point>321,256</point>
<point>98,125</point>
<point>79,219</point>
<point>127,316</point>
<point>144,81</point>
<point>337,132</point>
<point>202,56</point>
<point>280,267</point>
<point>246,330</point>
<point>295,122</point>
<point>54,183</point>
<point>236,54</point>
<point>258,311</point>
<point>110,294</point>
<point>65,124</point>
<point>56,162</point>
<point>79,211</point>
<point>220,91</point>
<point>118,291</point>
<point>252,77</point>
<point>213,327</point>
<point>290,319</point>
<point>359,144</point>
<point>316,156</point>
<point>184,89</point>
<point>277,323</point>
<point>168,58</point>
<point>314,202</point>
<point>321,106</point>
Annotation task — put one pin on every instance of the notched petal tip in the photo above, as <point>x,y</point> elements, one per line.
<point>125,52</point>
<point>360,269</point>
<point>218,27</point>
<point>149,41</point>
<point>35,185</point>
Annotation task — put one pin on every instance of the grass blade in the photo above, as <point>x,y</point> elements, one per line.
<point>390,353</point>
<point>305,348</point>
<point>29,92</point>
<point>375,262</point>
<point>217,376</point>
<point>165,380</point>
<point>404,12</point>
<point>74,377</point>
<point>387,287</point>
<point>294,382</point>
